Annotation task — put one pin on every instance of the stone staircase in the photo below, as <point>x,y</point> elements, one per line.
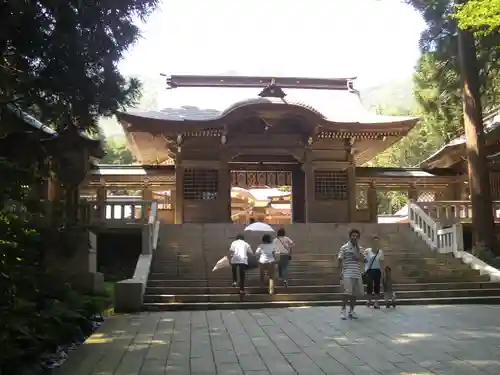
<point>181,275</point>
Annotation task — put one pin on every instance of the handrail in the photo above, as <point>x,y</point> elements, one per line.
<point>151,229</point>
<point>446,239</point>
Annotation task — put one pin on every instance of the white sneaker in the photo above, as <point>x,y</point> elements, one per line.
<point>352,315</point>
<point>343,314</point>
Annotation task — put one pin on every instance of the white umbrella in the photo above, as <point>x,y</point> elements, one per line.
<point>259,227</point>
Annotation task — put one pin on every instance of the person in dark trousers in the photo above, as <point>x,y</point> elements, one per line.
<point>374,266</point>
<point>238,253</point>
<point>283,246</point>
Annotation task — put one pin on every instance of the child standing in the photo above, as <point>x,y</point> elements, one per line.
<point>389,293</point>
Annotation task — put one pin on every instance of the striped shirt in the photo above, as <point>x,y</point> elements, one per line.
<point>350,265</point>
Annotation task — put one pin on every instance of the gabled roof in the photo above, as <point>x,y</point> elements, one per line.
<point>33,124</point>
<point>443,157</point>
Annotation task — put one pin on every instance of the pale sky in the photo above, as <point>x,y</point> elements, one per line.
<point>375,40</point>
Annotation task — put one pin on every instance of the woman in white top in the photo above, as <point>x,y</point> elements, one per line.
<point>283,245</point>
<point>266,253</point>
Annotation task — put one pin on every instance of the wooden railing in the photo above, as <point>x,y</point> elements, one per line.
<point>450,212</point>
<point>445,239</point>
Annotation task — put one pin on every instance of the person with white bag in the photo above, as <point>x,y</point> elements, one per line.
<point>238,253</point>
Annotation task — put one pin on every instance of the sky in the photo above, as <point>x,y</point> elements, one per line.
<point>374,40</point>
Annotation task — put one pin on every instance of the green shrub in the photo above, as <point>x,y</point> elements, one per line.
<point>39,311</point>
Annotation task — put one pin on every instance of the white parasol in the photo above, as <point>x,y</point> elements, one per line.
<point>259,227</point>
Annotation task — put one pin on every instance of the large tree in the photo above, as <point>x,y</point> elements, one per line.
<point>58,58</point>
<point>463,76</point>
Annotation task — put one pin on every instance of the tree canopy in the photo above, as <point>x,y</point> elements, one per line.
<point>58,58</point>
<point>481,15</point>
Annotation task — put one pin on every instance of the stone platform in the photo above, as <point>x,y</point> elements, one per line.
<point>408,340</point>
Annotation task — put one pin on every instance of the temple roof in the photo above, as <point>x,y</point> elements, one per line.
<point>454,150</point>
<point>207,104</point>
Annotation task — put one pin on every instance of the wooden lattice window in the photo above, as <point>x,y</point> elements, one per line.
<point>330,185</point>
<point>426,196</point>
<point>200,184</point>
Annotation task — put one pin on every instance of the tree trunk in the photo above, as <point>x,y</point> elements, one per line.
<point>479,178</point>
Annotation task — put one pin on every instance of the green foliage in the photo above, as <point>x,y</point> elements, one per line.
<point>480,15</point>
<point>117,152</point>
<point>38,311</point>
<point>59,58</point>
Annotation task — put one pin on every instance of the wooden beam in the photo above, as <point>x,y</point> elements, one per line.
<point>175,81</point>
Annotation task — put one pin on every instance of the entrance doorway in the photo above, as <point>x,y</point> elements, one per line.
<point>269,192</point>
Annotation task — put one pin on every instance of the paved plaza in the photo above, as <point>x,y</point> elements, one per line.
<point>417,340</point>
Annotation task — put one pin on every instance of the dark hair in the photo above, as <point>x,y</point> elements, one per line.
<point>252,220</point>
<point>239,236</point>
<point>354,230</point>
<point>281,232</point>
<point>266,238</point>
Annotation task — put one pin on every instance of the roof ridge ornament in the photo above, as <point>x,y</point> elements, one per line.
<point>272,90</point>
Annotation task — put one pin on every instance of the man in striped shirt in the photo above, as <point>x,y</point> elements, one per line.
<point>349,260</point>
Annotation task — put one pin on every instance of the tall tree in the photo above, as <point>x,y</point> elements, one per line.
<point>58,58</point>
<point>479,177</point>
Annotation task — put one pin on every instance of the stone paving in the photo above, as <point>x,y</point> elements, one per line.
<point>408,340</point>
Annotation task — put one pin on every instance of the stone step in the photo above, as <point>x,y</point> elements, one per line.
<point>312,273</point>
<point>283,295</point>
<point>285,304</point>
<point>160,266</point>
<point>306,282</point>
<point>152,290</point>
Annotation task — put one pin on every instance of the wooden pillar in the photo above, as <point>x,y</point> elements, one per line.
<point>309,190</point>
<point>147,193</point>
<point>224,191</point>
<point>413,192</point>
<point>351,191</point>
<point>101,202</point>
<point>298,195</point>
<point>372,203</point>
<point>179,194</point>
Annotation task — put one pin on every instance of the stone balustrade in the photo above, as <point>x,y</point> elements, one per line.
<point>449,212</point>
<point>112,210</point>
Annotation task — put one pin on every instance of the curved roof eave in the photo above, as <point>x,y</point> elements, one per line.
<point>377,123</point>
